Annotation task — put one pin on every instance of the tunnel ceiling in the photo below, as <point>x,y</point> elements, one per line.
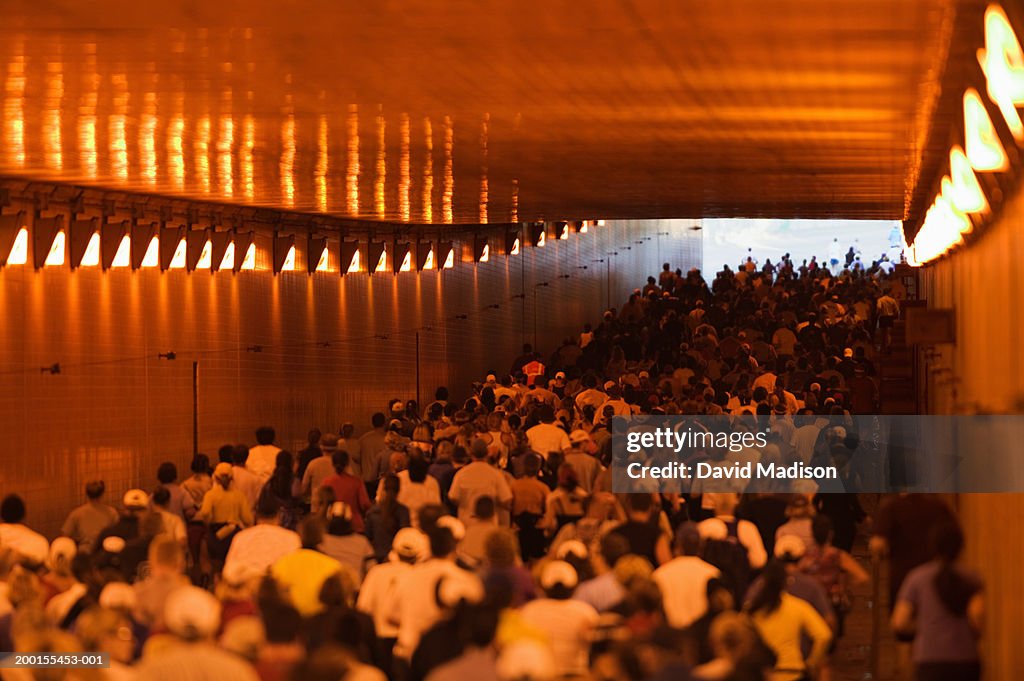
<point>473,111</point>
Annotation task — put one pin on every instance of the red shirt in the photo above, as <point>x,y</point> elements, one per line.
<point>352,491</point>
<point>533,370</point>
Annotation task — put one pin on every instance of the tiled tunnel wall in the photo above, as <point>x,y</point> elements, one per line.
<point>333,349</point>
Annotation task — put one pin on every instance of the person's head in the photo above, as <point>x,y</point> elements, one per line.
<point>339,519</point>
<point>789,549</point>
<point>687,540</point>
<point>484,508</point>
<point>501,548</point>
<point>567,478</point>
<point>226,453</point>
<point>267,508</point>
<point>240,455</point>
<point>167,473</point>
<point>442,542</point>
<point>281,622</point>
<point>347,430</point>
<point>313,437</point>
<point>265,435</point>
<point>613,547</point>
<point>95,489</point>
<point>328,444</point>
<point>799,507</point>
<point>441,394</point>
<point>378,420</point>
<point>192,614</point>
<point>311,532</point>
<point>821,528</point>
<point>103,629</point>
<point>418,467</point>
<point>222,474</point>
<point>725,503</point>
<point>200,464</point>
<point>947,541</point>
<point>166,556</point>
<point>161,497</point>
<point>531,465</point>
<point>769,598</point>
<point>339,460</point>
<point>12,509</point>
<point>640,506</point>
<point>478,450</point>
<point>731,637</point>
<point>558,579</point>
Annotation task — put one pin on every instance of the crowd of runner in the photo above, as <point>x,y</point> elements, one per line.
<point>482,538</point>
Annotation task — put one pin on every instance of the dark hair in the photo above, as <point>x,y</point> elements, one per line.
<point>954,589</point>
<point>267,506</point>
<point>281,479</point>
<point>311,531</point>
<point>773,583</point>
<point>281,621</point>
<point>226,454</point>
<point>531,464</point>
<point>441,393</point>
<point>442,542</point>
<point>167,473</point>
<point>95,489</point>
<point>821,528</point>
<point>340,460</point>
<point>265,435</point>
<point>613,547</point>
<point>640,503</point>
<point>240,454</point>
<point>378,420</point>
<point>200,463</point>
<point>161,496</point>
<point>12,509</point>
<point>388,504</point>
<point>339,526</point>
<point>418,468</point>
<point>483,508</point>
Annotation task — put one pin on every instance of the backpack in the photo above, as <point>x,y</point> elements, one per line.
<point>730,557</point>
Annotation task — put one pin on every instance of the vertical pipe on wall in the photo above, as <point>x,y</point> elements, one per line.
<point>419,403</point>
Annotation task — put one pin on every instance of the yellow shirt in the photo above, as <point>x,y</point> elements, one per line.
<point>226,506</point>
<point>781,631</point>
<point>303,574</point>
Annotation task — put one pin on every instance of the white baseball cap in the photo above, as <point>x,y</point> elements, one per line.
<point>192,613</point>
<point>559,572</point>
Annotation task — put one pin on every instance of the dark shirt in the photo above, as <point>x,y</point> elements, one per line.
<point>642,538</point>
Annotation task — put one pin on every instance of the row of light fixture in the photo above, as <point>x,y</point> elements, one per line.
<point>961,204</point>
<point>129,244</point>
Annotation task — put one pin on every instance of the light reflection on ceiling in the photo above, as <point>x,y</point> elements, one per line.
<point>443,112</point>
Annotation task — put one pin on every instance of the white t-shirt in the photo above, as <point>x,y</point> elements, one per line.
<point>569,626</point>
<point>260,546</point>
<point>21,539</point>
<point>476,480</point>
<point>246,482</point>
<point>547,437</point>
<point>262,460</point>
<point>378,596</point>
<point>683,582</point>
<point>417,596</point>
<point>173,525</point>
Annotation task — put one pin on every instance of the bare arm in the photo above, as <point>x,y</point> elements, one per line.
<point>850,566</point>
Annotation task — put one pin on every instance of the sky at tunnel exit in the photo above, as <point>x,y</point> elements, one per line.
<point>726,240</point>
